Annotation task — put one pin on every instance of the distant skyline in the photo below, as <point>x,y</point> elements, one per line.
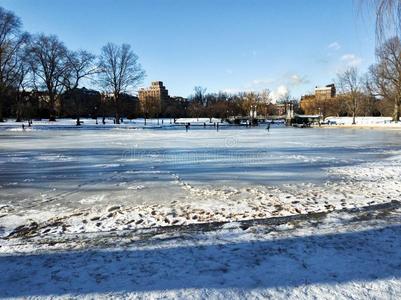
<point>222,45</point>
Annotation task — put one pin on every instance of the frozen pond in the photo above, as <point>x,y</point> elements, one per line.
<point>84,165</point>
<point>168,176</point>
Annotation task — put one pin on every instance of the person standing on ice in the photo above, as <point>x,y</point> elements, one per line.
<point>268,127</point>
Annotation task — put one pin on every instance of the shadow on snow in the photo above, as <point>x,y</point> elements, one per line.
<point>289,262</point>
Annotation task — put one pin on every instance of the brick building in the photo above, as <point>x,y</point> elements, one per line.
<point>321,102</point>
<point>153,99</point>
<point>156,91</point>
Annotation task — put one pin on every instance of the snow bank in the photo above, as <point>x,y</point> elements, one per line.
<point>198,121</point>
<point>359,120</point>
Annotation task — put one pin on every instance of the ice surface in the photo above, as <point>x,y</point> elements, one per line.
<point>164,176</point>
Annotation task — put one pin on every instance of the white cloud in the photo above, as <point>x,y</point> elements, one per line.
<point>261,81</point>
<point>334,46</point>
<point>279,92</point>
<point>279,87</point>
<point>351,60</point>
<point>296,79</point>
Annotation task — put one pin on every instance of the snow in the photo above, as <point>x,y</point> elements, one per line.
<point>198,121</point>
<point>82,213</point>
<point>340,256</point>
<point>361,121</point>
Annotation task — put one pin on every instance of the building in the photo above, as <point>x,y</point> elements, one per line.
<point>156,91</point>
<point>321,102</point>
<point>326,92</point>
<point>153,99</point>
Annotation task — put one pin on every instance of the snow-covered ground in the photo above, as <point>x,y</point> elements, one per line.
<point>363,121</point>
<point>198,121</point>
<point>343,255</point>
<point>62,183</point>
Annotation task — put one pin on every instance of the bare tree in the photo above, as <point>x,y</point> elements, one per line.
<point>265,96</point>
<point>119,71</point>
<point>151,107</point>
<point>80,65</point>
<point>195,109</point>
<point>249,101</point>
<point>388,24</point>
<point>368,105</point>
<point>12,39</point>
<point>48,60</point>
<point>386,74</point>
<point>23,80</point>
<point>199,95</point>
<point>350,85</point>
<point>388,17</point>
<point>264,99</point>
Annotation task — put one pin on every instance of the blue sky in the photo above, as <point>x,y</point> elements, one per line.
<point>219,44</point>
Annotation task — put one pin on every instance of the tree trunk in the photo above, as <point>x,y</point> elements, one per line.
<point>117,100</point>
<point>77,102</point>
<point>2,96</point>
<point>1,104</point>
<point>18,111</point>
<point>396,114</point>
<point>52,113</point>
